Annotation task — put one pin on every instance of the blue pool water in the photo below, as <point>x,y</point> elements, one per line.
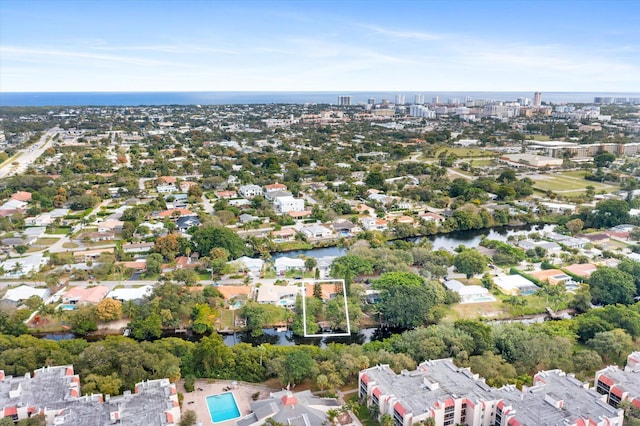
<point>69,307</point>
<point>222,407</point>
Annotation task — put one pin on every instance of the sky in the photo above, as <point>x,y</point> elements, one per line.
<point>319,45</point>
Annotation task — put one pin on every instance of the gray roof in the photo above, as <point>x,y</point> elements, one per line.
<point>57,388</point>
<point>308,410</point>
<point>436,381</point>
<point>533,406</point>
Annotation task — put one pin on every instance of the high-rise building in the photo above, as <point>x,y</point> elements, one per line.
<point>537,99</point>
<point>400,100</point>
<point>419,99</point>
<point>371,101</point>
<point>435,100</point>
<point>344,100</point>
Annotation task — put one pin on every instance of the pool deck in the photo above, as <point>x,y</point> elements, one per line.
<point>196,400</point>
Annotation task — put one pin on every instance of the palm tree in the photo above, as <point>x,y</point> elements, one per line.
<point>17,268</point>
<point>332,416</point>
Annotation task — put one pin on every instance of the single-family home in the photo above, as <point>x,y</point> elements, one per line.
<point>135,294</point>
<point>179,212</point>
<point>272,195</point>
<point>374,224</point>
<point>24,292</point>
<point>275,187</point>
<point>13,205</point>
<point>247,218</point>
<point>34,232</point>
<point>431,217</point>
<point>283,235</point>
<point>284,264</point>
<point>20,266</point>
<point>316,231</point>
<point>110,225</point>
<point>469,293</point>
<point>21,196</point>
<point>137,247</point>
<point>252,265</point>
<point>185,222</point>
<point>85,295</point>
<point>287,203</point>
<point>250,191</point>
<point>280,295</point>
<point>514,285</point>
<point>12,242</point>
<point>583,270</point>
<point>344,227</point>
<point>226,195</point>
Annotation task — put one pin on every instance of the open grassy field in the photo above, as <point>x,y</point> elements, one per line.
<point>540,137</point>
<point>481,162</point>
<point>569,183</point>
<point>466,152</point>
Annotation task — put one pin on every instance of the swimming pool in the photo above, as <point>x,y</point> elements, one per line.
<point>222,407</point>
<point>67,307</point>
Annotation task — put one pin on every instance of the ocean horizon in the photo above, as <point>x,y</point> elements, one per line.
<point>70,99</point>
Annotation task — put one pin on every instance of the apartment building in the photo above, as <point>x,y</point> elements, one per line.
<point>55,393</point>
<point>620,385</point>
<point>451,395</point>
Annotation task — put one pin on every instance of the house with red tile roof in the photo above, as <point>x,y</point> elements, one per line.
<point>85,295</point>
<point>22,196</point>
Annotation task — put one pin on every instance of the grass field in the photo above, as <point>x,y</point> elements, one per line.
<point>540,138</point>
<point>481,163</point>
<point>466,152</point>
<point>227,319</point>
<point>569,183</point>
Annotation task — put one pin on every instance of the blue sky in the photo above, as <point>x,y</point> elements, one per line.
<point>164,45</point>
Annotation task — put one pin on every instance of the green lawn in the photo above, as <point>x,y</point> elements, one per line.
<point>540,138</point>
<point>466,152</point>
<point>481,163</point>
<point>227,319</point>
<point>569,183</point>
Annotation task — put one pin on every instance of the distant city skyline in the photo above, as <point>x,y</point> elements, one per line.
<point>400,46</point>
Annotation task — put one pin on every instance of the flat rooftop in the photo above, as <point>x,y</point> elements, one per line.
<point>417,389</point>
<point>534,406</point>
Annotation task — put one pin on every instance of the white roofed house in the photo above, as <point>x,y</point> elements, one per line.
<point>316,232</point>
<point>284,264</point>
<point>24,292</point>
<point>21,266</point>
<point>253,266</point>
<point>250,191</point>
<point>514,285</point>
<point>288,204</point>
<point>130,293</point>
<point>469,293</point>
<point>324,265</point>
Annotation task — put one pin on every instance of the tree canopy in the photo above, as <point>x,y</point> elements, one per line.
<point>407,300</point>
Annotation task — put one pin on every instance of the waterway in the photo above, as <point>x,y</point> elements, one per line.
<point>448,241</point>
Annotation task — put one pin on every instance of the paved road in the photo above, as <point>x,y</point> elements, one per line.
<point>29,155</point>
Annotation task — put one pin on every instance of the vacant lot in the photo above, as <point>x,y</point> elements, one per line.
<point>569,183</point>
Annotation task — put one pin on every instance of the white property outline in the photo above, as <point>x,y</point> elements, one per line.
<point>304,308</point>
